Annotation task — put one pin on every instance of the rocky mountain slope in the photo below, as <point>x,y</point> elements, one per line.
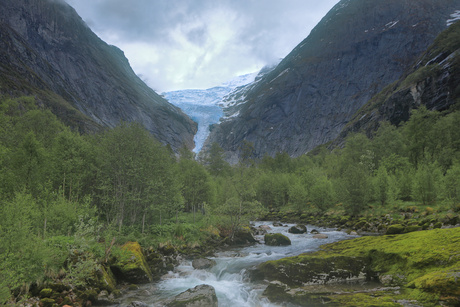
<point>356,50</point>
<point>46,50</point>
<point>434,81</point>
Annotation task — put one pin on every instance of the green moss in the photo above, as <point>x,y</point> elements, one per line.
<point>47,302</point>
<point>446,282</point>
<point>395,229</point>
<point>131,264</point>
<point>364,300</point>
<point>44,293</point>
<point>425,263</point>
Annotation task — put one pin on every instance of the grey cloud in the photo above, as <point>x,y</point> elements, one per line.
<point>266,29</point>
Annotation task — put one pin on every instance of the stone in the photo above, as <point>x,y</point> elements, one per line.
<point>320,236</point>
<point>46,293</point>
<point>314,231</point>
<point>133,269</point>
<point>138,304</point>
<point>298,229</point>
<point>200,296</point>
<point>395,229</point>
<point>276,239</point>
<point>242,237</point>
<point>203,263</point>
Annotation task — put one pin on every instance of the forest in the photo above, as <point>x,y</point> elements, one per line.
<point>64,193</point>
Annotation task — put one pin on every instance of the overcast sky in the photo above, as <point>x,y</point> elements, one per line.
<point>182,44</point>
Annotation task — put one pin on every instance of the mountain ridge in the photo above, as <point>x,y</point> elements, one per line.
<point>357,49</point>
<point>48,51</point>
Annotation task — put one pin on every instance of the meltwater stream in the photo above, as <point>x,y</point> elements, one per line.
<point>229,277</point>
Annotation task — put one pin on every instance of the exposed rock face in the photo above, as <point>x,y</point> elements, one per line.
<point>200,296</point>
<point>433,82</point>
<point>48,51</point>
<point>359,47</point>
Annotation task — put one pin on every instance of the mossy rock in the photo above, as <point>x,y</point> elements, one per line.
<point>412,228</point>
<point>105,279</point>
<point>47,302</point>
<point>395,229</point>
<point>242,237</point>
<point>276,239</point>
<point>46,293</point>
<point>445,282</point>
<point>310,269</point>
<point>132,266</point>
<point>429,261</point>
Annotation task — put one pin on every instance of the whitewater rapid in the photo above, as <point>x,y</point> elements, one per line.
<point>229,276</point>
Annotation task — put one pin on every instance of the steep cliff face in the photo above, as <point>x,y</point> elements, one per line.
<point>359,47</point>
<point>48,51</point>
<point>434,81</point>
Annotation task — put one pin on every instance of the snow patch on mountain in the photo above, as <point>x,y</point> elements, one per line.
<point>455,16</point>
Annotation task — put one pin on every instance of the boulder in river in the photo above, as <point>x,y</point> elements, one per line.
<point>203,263</point>
<point>276,239</point>
<point>320,236</point>
<point>200,296</point>
<point>134,268</point>
<point>298,229</point>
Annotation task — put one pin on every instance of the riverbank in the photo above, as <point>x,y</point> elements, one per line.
<point>415,269</point>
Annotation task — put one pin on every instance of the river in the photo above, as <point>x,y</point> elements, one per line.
<point>229,275</point>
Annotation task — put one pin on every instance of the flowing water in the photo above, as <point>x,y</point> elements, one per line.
<point>229,276</point>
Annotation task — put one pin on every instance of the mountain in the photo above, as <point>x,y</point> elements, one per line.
<point>204,105</point>
<point>356,50</point>
<point>434,82</point>
<point>46,50</point>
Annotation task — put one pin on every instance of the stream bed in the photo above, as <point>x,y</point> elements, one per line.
<point>229,275</point>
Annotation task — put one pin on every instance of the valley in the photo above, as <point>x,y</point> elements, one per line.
<point>328,178</point>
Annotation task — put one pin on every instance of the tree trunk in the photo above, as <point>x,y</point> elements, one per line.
<point>143,222</point>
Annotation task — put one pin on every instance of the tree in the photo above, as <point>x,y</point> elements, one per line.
<point>382,185</point>
<point>426,181</point>
<point>215,162</point>
<point>196,185</point>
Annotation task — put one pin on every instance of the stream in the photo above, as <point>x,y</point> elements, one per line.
<point>229,275</point>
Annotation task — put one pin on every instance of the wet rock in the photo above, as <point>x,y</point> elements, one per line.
<point>277,224</point>
<point>314,231</point>
<point>320,236</point>
<point>138,304</point>
<point>298,229</point>
<point>242,237</point>
<point>276,239</point>
<point>203,263</point>
<point>200,296</point>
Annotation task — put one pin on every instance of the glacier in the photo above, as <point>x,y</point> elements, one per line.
<point>204,105</point>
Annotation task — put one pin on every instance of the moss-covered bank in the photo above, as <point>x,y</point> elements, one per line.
<point>422,266</point>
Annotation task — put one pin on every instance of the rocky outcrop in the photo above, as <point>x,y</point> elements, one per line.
<point>422,265</point>
<point>46,50</point>
<point>432,82</point>
<point>356,50</point>
<point>200,296</point>
<point>132,266</point>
